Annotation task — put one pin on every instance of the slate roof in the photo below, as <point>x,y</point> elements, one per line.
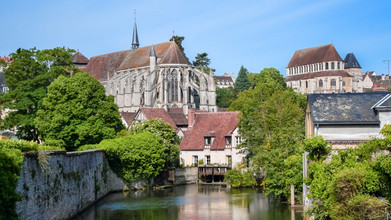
<point>314,55</point>
<point>100,67</point>
<point>209,124</point>
<point>345,108</point>
<point>151,113</point>
<point>79,58</point>
<point>178,116</point>
<point>168,52</point>
<point>317,74</point>
<point>351,61</point>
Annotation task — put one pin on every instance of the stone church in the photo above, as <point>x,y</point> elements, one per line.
<point>322,70</point>
<point>158,76</point>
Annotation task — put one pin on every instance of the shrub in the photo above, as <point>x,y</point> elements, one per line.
<point>238,178</point>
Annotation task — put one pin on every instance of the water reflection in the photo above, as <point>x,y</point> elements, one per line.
<point>189,202</point>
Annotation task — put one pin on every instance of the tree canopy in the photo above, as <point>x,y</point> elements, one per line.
<point>167,134</point>
<point>225,96</point>
<point>76,112</point>
<point>202,61</point>
<point>241,82</point>
<point>271,123</point>
<point>27,77</point>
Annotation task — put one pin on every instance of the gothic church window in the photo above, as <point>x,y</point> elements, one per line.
<point>333,82</point>
<point>320,83</point>
<point>332,65</point>
<point>173,87</point>
<point>338,66</point>
<point>327,66</point>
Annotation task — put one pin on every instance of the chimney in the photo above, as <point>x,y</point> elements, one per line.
<point>191,117</point>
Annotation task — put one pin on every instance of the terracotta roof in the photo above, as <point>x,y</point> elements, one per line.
<point>317,74</point>
<point>168,52</point>
<point>6,59</point>
<point>209,124</point>
<point>158,113</point>
<point>178,116</point>
<point>314,55</point>
<point>128,116</point>
<point>79,58</point>
<point>101,66</point>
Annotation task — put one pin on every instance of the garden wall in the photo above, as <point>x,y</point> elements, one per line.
<point>59,184</point>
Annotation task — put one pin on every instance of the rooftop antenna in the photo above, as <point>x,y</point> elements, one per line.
<point>388,61</point>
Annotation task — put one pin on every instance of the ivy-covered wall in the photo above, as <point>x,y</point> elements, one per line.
<point>59,184</point>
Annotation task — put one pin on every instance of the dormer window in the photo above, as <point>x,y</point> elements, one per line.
<point>207,142</point>
<point>228,142</point>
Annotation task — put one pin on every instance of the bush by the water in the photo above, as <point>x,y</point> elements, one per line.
<point>133,157</point>
<point>237,178</point>
<point>11,159</point>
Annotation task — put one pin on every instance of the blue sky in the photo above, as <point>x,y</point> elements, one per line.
<point>255,34</point>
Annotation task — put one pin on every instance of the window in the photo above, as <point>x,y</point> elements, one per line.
<point>338,65</point>
<point>306,84</point>
<point>332,65</point>
<point>343,83</point>
<point>228,159</point>
<point>207,159</point>
<point>333,82</point>
<point>238,140</point>
<point>327,66</point>
<point>208,142</point>
<point>320,83</point>
<point>228,142</point>
<point>195,159</point>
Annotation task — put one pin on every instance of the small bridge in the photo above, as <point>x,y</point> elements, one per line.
<point>212,173</point>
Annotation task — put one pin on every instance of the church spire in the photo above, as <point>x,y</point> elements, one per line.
<point>135,43</point>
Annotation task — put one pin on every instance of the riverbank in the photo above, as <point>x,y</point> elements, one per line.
<point>60,184</point>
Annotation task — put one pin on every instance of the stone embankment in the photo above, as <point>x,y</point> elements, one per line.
<point>59,184</point>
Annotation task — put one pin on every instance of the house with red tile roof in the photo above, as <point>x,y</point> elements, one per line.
<point>322,70</point>
<point>211,137</point>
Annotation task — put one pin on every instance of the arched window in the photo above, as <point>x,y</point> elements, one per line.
<point>332,65</point>
<point>343,83</point>
<point>327,66</point>
<point>320,66</point>
<point>320,83</point>
<point>338,65</point>
<point>333,82</point>
<point>173,87</point>
<point>306,84</point>
<point>311,68</point>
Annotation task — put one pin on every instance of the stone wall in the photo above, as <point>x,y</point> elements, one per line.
<point>58,185</point>
<point>186,175</point>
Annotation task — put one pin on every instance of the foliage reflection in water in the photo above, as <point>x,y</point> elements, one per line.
<point>190,202</point>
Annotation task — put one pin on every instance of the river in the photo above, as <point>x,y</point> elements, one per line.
<point>188,203</point>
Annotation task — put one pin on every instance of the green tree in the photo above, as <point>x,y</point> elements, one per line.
<point>27,77</point>
<point>272,125</point>
<point>167,134</point>
<point>76,112</point>
<point>225,96</point>
<point>133,157</point>
<point>202,62</point>
<point>241,82</point>
<point>178,40</point>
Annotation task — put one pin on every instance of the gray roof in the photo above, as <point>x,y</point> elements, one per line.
<point>347,108</point>
<point>351,61</point>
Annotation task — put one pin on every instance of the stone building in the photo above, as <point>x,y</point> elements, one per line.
<point>225,80</point>
<point>322,70</point>
<point>347,119</point>
<point>159,76</point>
